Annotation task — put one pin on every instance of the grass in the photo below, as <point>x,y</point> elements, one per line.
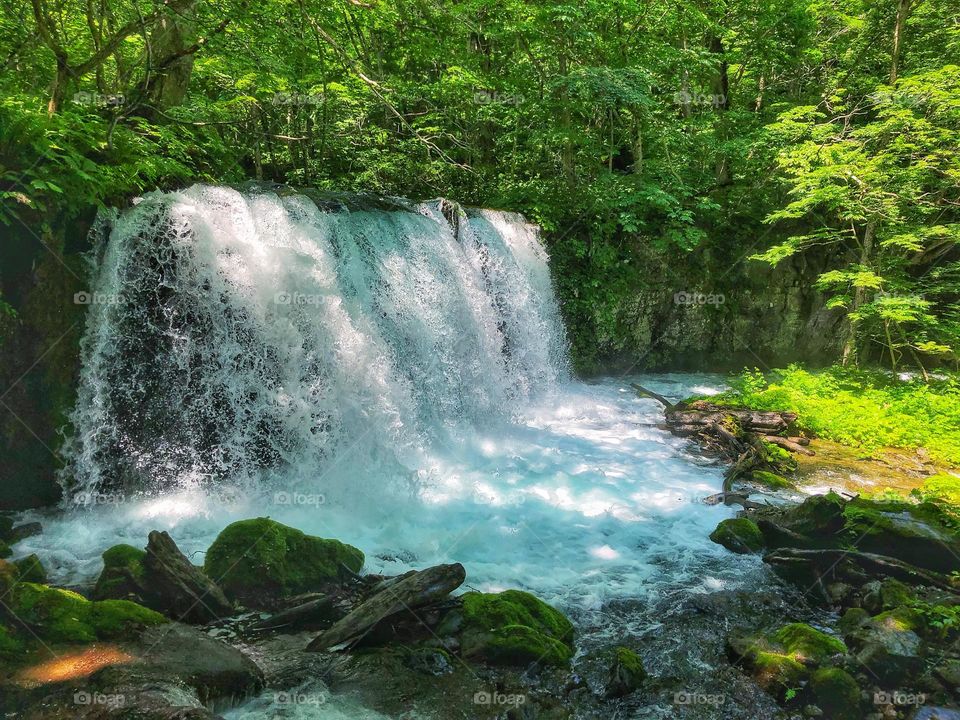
<point>865,409</point>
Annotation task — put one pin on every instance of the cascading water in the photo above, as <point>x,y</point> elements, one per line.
<point>235,336</point>
<point>389,374</point>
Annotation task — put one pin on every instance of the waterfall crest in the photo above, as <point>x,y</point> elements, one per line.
<point>233,334</point>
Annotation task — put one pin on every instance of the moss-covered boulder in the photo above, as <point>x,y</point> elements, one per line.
<point>259,561</point>
<point>889,644</point>
<point>626,673</point>
<point>740,535</point>
<point>836,693</point>
<point>923,534</point>
<point>814,523</point>
<point>781,660</point>
<point>61,616</point>
<point>122,573</point>
<point>30,569</point>
<point>514,628</point>
<point>5,550</point>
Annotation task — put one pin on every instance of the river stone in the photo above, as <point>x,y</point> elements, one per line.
<point>626,673</point>
<point>259,562</point>
<point>888,648</point>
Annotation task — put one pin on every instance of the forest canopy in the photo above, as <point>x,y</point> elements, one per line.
<point>632,132</point>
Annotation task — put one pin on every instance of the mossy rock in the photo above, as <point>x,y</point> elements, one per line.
<point>808,645</point>
<point>814,523</point>
<point>6,525</point>
<point>30,569</point>
<point>122,570</point>
<point>5,550</point>
<point>11,647</point>
<point>836,693</point>
<point>783,659</point>
<point>9,574</point>
<point>626,673</point>
<point>514,628</point>
<point>62,616</point>
<point>921,534</point>
<point>778,457</point>
<point>852,620</point>
<point>770,480</point>
<point>739,535</point>
<point>260,561</point>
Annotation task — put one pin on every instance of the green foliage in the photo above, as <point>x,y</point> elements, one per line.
<point>870,410</point>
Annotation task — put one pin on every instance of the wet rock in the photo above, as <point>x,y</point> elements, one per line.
<point>413,591</point>
<point>948,673</point>
<point>259,562</point>
<point>780,660</point>
<point>930,712</point>
<point>30,569</point>
<point>178,588</point>
<point>739,535</point>
<point>889,646</point>
<point>919,534</point>
<point>24,531</point>
<point>626,673</point>
<point>122,577</point>
<point>53,615</point>
<point>319,611</point>
<point>429,660</point>
<point>514,628</point>
<point>837,693</point>
<point>813,523</point>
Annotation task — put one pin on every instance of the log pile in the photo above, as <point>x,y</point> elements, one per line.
<point>738,435</point>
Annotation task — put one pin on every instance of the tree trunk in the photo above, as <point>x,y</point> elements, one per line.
<point>859,294</point>
<point>903,11</point>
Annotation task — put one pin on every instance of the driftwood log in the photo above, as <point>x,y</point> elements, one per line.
<point>179,588</point>
<point>411,591</point>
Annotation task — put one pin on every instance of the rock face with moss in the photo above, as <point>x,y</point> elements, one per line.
<point>740,535</point>
<point>260,561</point>
<point>836,693</point>
<point>515,628</point>
<point>779,661</point>
<point>626,673</point>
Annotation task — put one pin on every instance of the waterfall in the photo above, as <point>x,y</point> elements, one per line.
<point>234,334</point>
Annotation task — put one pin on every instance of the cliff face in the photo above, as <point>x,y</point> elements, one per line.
<point>703,312</point>
<point>41,273</point>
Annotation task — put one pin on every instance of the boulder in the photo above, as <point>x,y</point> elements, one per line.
<point>920,534</point>
<point>836,693</point>
<point>514,628</point>
<point>626,673</point>
<point>259,562</point>
<point>122,577</point>
<point>813,523</point>
<point>30,569</point>
<point>24,531</point>
<point>740,535</point>
<point>779,661</point>
<point>889,645</point>
<point>54,615</point>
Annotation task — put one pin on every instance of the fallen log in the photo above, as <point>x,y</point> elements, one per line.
<point>789,444</point>
<point>413,591</point>
<point>827,561</point>
<point>644,392</point>
<point>732,498</point>
<point>177,587</point>
<point>320,609</point>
